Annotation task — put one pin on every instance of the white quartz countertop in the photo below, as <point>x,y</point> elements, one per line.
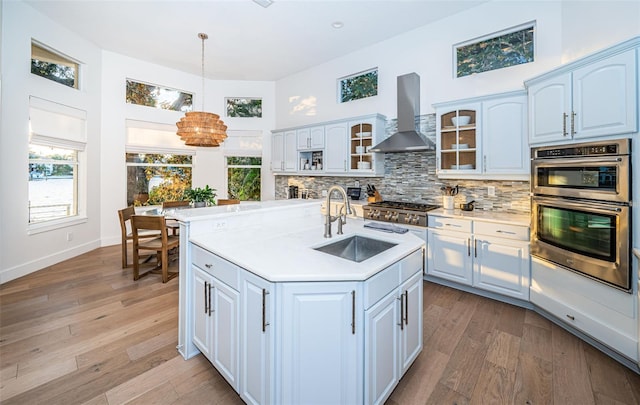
<point>205,213</point>
<point>285,253</point>
<point>486,216</point>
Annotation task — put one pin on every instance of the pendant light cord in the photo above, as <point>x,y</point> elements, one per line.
<point>203,36</point>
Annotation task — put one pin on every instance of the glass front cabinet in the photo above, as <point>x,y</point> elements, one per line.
<point>457,144</point>
<point>363,135</point>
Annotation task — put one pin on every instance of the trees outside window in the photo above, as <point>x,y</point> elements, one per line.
<point>154,177</point>
<point>53,66</point>
<point>243,177</point>
<point>358,86</point>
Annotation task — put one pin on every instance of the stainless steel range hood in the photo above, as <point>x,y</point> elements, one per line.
<point>407,139</point>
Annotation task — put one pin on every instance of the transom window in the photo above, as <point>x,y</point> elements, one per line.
<point>243,177</point>
<point>358,86</point>
<point>155,96</point>
<point>53,66</point>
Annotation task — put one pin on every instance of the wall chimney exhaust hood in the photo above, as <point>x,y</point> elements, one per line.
<point>407,139</point>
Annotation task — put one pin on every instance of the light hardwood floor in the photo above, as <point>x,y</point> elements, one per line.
<point>83,332</point>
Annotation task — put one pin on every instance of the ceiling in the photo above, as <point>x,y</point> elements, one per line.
<point>246,41</point>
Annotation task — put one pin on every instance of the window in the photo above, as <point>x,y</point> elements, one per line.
<point>154,96</point>
<point>53,66</point>
<point>156,177</point>
<point>243,177</point>
<point>244,107</point>
<point>53,183</point>
<point>360,85</point>
<point>507,48</point>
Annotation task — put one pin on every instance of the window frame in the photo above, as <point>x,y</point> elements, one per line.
<point>59,59</point>
<point>236,166</point>
<point>340,80</point>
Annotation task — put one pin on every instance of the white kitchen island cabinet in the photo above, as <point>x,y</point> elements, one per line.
<point>593,96</point>
<point>299,331</point>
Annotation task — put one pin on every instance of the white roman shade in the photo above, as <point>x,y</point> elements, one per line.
<point>146,137</point>
<point>243,143</point>
<point>57,125</point>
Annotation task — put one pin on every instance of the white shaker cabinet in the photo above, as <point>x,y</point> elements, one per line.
<point>336,147</point>
<point>216,313</point>
<point>449,249</point>
<point>310,138</point>
<point>257,343</point>
<point>321,343</point>
<point>595,96</point>
<point>284,152</point>
<point>485,255</point>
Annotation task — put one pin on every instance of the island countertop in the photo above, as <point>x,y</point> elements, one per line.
<point>284,252</point>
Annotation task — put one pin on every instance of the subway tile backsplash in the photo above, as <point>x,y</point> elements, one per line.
<point>411,176</point>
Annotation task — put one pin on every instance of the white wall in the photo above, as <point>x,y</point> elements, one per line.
<point>21,253</point>
<point>564,31</point>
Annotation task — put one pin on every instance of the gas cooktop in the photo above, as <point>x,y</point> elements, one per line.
<point>401,212</point>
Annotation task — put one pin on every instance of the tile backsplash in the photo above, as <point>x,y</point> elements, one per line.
<point>411,176</point>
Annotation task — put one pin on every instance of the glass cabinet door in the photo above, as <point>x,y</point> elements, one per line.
<point>458,140</point>
<point>360,141</point>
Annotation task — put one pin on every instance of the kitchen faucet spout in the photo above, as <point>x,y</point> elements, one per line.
<point>329,218</point>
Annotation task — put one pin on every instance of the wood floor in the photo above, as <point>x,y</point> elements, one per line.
<point>83,332</point>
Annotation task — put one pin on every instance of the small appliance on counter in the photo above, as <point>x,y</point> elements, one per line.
<point>293,192</point>
<point>468,206</point>
<point>354,192</point>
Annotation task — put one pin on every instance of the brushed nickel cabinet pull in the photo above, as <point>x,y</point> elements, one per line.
<point>573,122</point>
<point>353,312</point>
<point>475,247</point>
<point>401,323</point>
<point>469,247</point>
<point>206,299</point>
<point>424,256</point>
<point>564,124</point>
<point>208,265</point>
<point>264,310</point>
<point>406,307</point>
<point>484,163</point>
<point>211,287</point>
<point>573,318</point>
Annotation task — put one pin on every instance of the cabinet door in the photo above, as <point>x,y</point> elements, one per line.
<point>316,138</point>
<point>290,151</point>
<point>202,323</point>
<point>458,146</point>
<point>257,340</point>
<point>303,139</point>
<point>277,152</point>
<point>411,330</point>
<point>321,345</point>
<point>502,266</point>
<point>504,136</point>
<point>604,97</point>
<point>381,362</point>
<point>449,256</point>
<point>336,148</point>
<point>549,107</point>
<point>225,340</point>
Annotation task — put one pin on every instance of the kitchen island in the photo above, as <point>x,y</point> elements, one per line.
<point>286,323</point>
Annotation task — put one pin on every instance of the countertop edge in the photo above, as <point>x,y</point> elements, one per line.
<point>478,215</point>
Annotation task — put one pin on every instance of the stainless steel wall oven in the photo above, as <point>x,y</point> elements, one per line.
<point>581,209</point>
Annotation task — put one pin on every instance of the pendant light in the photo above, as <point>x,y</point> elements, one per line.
<point>199,128</point>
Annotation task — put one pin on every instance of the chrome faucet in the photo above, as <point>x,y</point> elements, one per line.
<point>329,219</point>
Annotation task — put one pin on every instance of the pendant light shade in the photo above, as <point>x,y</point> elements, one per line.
<point>199,128</point>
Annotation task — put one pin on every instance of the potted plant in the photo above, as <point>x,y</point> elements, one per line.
<point>201,197</point>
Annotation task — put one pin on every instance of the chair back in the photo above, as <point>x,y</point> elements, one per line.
<point>173,204</point>
<point>148,223</point>
<point>227,202</point>
<point>125,215</point>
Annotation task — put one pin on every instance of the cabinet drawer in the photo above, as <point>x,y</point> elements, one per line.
<point>451,224</point>
<point>501,230</point>
<point>381,284</point>
<point>219,268</point>
<point>410,265</point>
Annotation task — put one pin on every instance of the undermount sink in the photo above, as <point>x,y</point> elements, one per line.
<point>356,248</point>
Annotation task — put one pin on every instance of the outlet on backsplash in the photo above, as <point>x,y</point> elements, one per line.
<point>491,191</point>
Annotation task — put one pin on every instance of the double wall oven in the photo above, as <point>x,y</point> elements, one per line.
<point>581,209</point>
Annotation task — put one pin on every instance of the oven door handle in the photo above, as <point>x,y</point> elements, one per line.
<point>581,204</point>
<point>546,162</point>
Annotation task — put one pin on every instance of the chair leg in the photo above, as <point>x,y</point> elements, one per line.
<point>165,265</point>
<point>136,264</point>
<point>124,254</point>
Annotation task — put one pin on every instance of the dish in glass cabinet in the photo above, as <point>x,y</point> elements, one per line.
<point>461,167</point>
<point>363,134</point>
<point>460,146</point>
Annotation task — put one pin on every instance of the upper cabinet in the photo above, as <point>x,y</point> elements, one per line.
<point>595,96</point>
<point>283,151</point>
<point>483,138</point>
<point>336,148</point>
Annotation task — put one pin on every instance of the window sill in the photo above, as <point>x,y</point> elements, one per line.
<point>47,226</point>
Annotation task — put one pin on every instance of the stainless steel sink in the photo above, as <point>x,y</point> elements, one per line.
<point>356,248</point>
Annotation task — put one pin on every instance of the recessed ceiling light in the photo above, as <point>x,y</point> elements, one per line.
<point>337,24</point>
<point>264,3</point>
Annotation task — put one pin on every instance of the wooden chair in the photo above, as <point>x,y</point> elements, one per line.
<point>227,202</point>
<point>125,217</point>
<point>172,223</point>
<point>164,245</point>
